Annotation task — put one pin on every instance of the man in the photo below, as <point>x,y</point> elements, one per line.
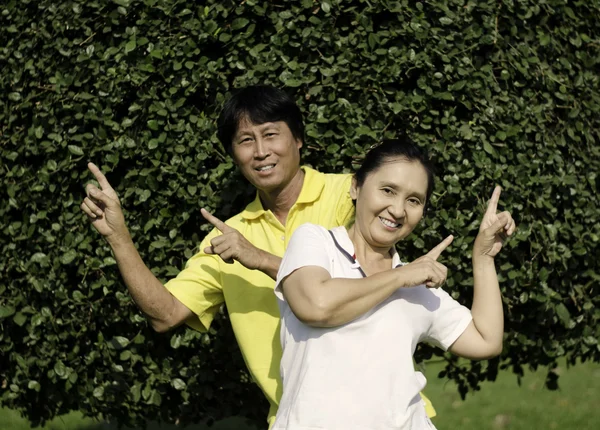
<point>262,129</point>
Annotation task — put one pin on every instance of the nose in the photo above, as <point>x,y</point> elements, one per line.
<point>396,209</point>
<point>261,149</point>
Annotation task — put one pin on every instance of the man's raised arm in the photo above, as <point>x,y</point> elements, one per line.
<point>103,208</point>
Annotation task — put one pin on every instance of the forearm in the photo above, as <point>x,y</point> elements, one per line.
<point>338,301</point>
<point>487,312</point>
<point>148,293</point>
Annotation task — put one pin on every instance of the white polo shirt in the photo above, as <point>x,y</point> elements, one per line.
<point>360,375</point>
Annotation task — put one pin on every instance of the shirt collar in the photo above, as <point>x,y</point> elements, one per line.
<point>312,187</point>
<point>341,235</point>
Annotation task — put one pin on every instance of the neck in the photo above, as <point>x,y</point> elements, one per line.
<point>367,254</point>
<point>280,201</point>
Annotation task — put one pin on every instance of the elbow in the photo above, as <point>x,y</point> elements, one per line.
<point>496,351</point>
<point>160,326</point>
<point>164,324</point>
<point>492,352</point>
<point>315,314</point>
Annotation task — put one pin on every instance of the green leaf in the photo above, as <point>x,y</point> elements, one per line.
<point>178,384</point>
<point>68,256</point>
<point>6,311</point>
<point>20,318</point>
<point>75,150</point>
<point>130,46</point>
<point>488,148</point>
<point>563,314</point>
<point>155,398</point>
<point>60,369</point>
<point>239,23</point>
<point>98,392</point>
<point>34,385</point>
<point>457,86</point>
<point>119,342</point>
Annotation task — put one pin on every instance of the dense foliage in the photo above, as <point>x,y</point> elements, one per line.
<point>501,92</point>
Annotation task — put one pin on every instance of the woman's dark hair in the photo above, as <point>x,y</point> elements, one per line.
<point>259,104</point>
<point>392,149</point>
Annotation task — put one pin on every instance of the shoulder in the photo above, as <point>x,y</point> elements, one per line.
<point>309,234</point>
<point>337,179</point>
<point>310,230</point>
<point>329,179</point>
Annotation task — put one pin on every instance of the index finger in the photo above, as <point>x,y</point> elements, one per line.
<point>493,203</point>
<point>216,222</point>
<point>104,185</point>
<point>437,251</point>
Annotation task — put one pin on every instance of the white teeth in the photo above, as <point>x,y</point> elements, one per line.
<point>388,223</point>
<point>269,167</point>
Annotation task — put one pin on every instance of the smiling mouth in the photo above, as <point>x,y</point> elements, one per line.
<point>265,168</point>
<point>389,223</point>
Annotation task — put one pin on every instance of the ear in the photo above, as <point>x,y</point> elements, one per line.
<point>354,189</point>
<point>299,143</point>
<point>233,157</point>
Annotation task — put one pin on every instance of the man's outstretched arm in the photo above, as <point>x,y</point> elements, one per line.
<point>103,208</point>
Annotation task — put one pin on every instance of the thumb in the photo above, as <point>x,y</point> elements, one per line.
<point>498,226</point>
<point>98,195</point>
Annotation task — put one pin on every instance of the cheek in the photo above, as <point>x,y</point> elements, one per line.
<point>416,216</point>
<point>241,158</point>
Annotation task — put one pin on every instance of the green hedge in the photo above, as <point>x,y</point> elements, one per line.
<point>499,92</point>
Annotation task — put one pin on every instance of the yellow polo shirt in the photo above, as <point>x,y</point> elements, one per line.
<point>207,282</point>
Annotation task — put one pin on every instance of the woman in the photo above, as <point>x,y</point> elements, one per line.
<point>352,313</point>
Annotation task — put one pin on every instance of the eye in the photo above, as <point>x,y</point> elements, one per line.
<point>414,201</point>
<point>270,134</point>
<point>388,191</point>
<point>245,140</point>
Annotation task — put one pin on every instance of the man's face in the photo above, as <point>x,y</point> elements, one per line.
<point>267,154</point>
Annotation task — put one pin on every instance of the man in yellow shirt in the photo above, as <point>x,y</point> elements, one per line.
<point>262,129</point>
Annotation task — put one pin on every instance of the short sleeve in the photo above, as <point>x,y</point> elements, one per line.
<point>449,321</point>
<point>198,286</point>
<point>309,246</point>
<point>345,207</point>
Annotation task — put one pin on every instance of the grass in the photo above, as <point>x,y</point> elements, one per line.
<point>502,404</point>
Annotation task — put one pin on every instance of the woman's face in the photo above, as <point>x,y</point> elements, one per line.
<point>390,203</point>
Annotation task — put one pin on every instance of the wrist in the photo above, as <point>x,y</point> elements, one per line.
<point>483,260</point>
<point>401,282</point>
<point>261,260</point>
<point>117,240</point>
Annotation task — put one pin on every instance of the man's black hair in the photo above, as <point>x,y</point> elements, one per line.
<point>259,104</point>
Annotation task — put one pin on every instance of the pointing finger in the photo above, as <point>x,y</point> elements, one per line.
<point>493,203</point>
<point>437,251</point>
<point>99,176</point>
<point>216,222</point>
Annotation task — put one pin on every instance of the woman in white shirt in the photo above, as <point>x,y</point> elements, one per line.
<point>353,313</point>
